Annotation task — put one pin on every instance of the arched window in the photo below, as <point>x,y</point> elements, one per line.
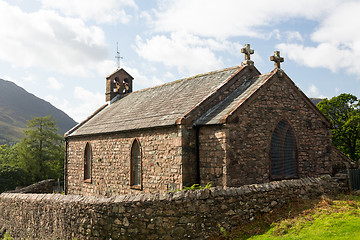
<point>135,171</point>
<point>283,152</point>
<point>87,162</point>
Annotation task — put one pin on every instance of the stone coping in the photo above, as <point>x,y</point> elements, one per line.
<point>170,196</point>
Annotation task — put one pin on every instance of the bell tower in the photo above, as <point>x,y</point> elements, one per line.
<point>118,84</point>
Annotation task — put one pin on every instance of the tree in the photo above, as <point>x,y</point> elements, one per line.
<point>11,177</point>
<point>343,112</point>
<point>41,151</point>
<point>8,155</point>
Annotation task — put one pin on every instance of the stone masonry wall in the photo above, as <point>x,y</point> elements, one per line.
<point>180,215</point>
<point>245,140</point>
<point>161,162</point>
<point>212,153</point>
<point>44,186</point>
<point>252,128</point>
<point>189,167</point>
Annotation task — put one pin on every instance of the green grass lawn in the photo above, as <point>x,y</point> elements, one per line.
<point>337,218</point>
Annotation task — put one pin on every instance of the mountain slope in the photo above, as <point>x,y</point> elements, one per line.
<point>316,100</point>
<point>17,106</point>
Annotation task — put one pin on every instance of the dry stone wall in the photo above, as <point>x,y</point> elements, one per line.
<point>44,186</point>
<point>179,215</point>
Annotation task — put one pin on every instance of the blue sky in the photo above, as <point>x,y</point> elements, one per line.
<point>62,51</point>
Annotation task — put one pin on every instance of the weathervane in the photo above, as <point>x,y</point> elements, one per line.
<point>118,57</point>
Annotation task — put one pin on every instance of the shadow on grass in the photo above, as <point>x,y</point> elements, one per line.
<point>262,223</point>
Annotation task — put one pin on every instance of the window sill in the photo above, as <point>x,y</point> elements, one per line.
<point>136,187</point>
<point>87,181</point>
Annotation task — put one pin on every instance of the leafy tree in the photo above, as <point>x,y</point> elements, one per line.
<point>343,112</point>
<point>11,177</point>
<point>8,155</point>
<point>41,150</point>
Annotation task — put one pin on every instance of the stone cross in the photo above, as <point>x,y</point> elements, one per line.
<point>277,59</point>
<point>247,52</point>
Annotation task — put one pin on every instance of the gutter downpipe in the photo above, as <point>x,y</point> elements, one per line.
<point>66,166</point>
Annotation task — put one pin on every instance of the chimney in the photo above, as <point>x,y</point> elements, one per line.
<point>118,84</point>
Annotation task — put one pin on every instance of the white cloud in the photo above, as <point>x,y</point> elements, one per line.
<point>87,102</point>
<point>31,78</point>
<point>227,18</point>
<point>186,52</point>
<point>338,42</point>
<point>294,36</point>
<point>103,11</point>
<point>190,32</point>
<point>146,16</point>
<point>313,91</point>
<point>320,56</point>
<point>141,80</point>
<point>46,40</point>
<point>51,98</point>
<point>324,55</point>
<point>105,68</point>
<point>54,84</point>
<point>340,26</point>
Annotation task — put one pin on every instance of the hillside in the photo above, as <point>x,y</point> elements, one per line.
<point>17,106</point>
<point>316,100</point>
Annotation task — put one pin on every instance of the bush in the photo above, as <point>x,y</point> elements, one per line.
<point>11,177</point>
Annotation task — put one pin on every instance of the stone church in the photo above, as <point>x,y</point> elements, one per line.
<point>230,127</point>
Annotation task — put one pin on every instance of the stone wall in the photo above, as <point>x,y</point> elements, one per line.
<point>180,215</point>
<point>212,153</point>
<point>188,155</point>
<point>340,161</point>
<point>111,154</point>
<point>239,151</point>
<point>44,186</point>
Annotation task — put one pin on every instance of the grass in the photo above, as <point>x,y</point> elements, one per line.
<point>337,218</point>
<point>7,236</point>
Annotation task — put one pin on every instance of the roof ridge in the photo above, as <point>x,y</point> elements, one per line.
<point>186,79</point>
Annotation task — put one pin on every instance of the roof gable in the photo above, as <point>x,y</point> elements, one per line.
<point>247,91</point>
<point>219,113</point>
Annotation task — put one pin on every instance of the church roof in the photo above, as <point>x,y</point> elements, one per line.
<point>154,107</point>
<point>168,104</point>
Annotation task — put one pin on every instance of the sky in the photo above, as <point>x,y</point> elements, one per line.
<point>62,51</point>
